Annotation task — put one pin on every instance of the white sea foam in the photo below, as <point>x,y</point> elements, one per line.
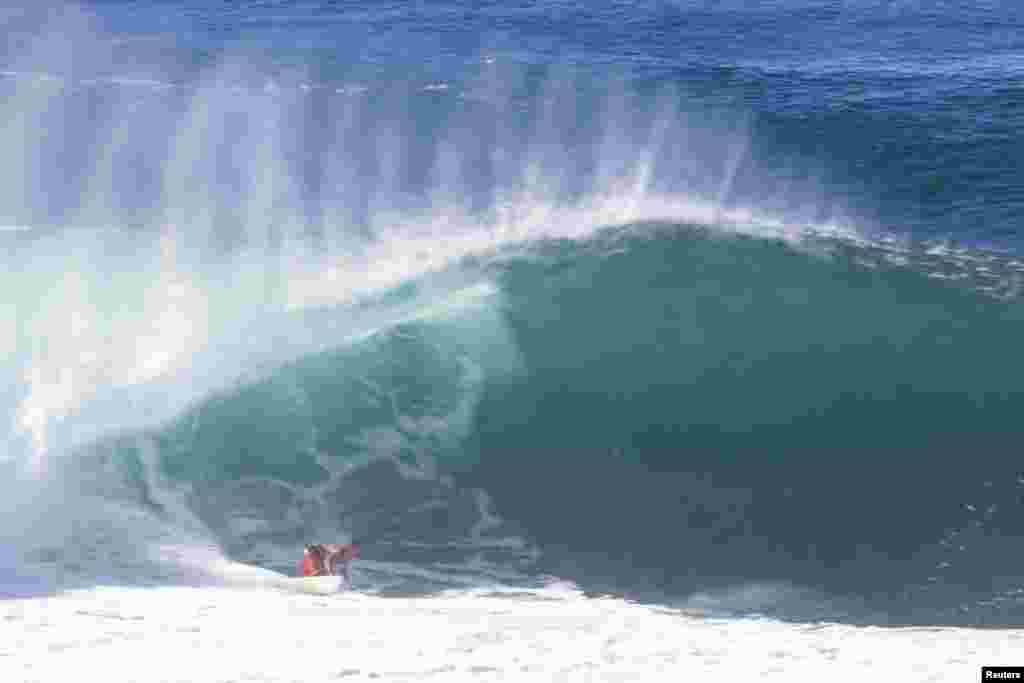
<point>261,634</point>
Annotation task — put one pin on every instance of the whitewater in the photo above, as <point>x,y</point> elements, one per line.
<point>605,385</point>
<point>220,634</point>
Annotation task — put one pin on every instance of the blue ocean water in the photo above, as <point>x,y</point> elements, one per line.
<point>656,296</point>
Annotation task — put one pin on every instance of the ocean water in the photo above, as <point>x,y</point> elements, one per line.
<point>709,311</point>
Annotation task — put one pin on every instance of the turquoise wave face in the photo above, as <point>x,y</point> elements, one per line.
<point>707,405</point>
<point>663,405</point>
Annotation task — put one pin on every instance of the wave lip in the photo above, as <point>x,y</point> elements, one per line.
<point>178,216</point>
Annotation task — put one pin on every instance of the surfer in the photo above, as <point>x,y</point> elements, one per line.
<point>329,559</point>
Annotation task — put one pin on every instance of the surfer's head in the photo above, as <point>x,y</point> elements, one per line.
<point>313,549</point>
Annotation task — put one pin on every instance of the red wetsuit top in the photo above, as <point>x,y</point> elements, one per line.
<point>309,566</point>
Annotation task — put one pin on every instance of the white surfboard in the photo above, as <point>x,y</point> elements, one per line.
<point>317,585</point>
<point>248,576</point>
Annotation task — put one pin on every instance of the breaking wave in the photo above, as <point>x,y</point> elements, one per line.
<point>505,328</point>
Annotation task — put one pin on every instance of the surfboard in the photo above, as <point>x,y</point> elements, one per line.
<point>249,576</point>
<point>316,585</point>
